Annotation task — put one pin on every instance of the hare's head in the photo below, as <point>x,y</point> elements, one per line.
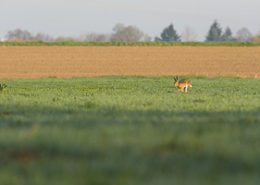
<point>176,81</point>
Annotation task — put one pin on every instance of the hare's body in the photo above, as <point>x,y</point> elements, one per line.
<point>182,84</point>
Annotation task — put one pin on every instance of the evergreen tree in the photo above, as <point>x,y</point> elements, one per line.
<point>227,35</point>
<point>214,33</point>
<point>169,34</point>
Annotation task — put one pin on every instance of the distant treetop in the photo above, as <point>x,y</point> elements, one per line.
<point>169,34</point>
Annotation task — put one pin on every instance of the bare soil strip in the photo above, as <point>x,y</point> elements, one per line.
<point>69,61</point>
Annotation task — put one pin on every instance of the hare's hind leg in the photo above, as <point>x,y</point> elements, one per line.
<point>186,88</point>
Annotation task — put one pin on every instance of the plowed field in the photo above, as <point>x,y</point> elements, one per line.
<point>68,61</point>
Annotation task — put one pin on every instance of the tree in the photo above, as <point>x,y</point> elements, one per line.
<point>169,34</point>
<point>24,35</point>
<point>214,33</point>
<point>227,35</point>
<point>94,37</point>
<point>128,34</point>
<point>43,37</point>
<point>189,35</point>
<point>147,38</point>
<point>256,38</point>
<point>19,34</point>
<point>65,39</point>
<point>244,35</point>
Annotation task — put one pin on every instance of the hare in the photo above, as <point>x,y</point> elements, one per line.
<point>182,84</point>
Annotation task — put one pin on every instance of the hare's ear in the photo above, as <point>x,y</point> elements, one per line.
<point>177,78</point>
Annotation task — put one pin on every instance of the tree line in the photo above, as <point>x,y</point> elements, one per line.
<point>123,33</point>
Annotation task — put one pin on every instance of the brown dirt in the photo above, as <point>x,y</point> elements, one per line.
<point>68,61</point>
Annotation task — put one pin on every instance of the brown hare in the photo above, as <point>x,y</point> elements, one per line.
<point>182,84</point>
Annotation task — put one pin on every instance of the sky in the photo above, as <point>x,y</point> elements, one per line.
<point>76,17</point>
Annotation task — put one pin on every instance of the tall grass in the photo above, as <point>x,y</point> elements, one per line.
<point>130,130</point>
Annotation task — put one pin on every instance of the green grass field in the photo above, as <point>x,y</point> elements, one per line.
<point>130,130</point>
